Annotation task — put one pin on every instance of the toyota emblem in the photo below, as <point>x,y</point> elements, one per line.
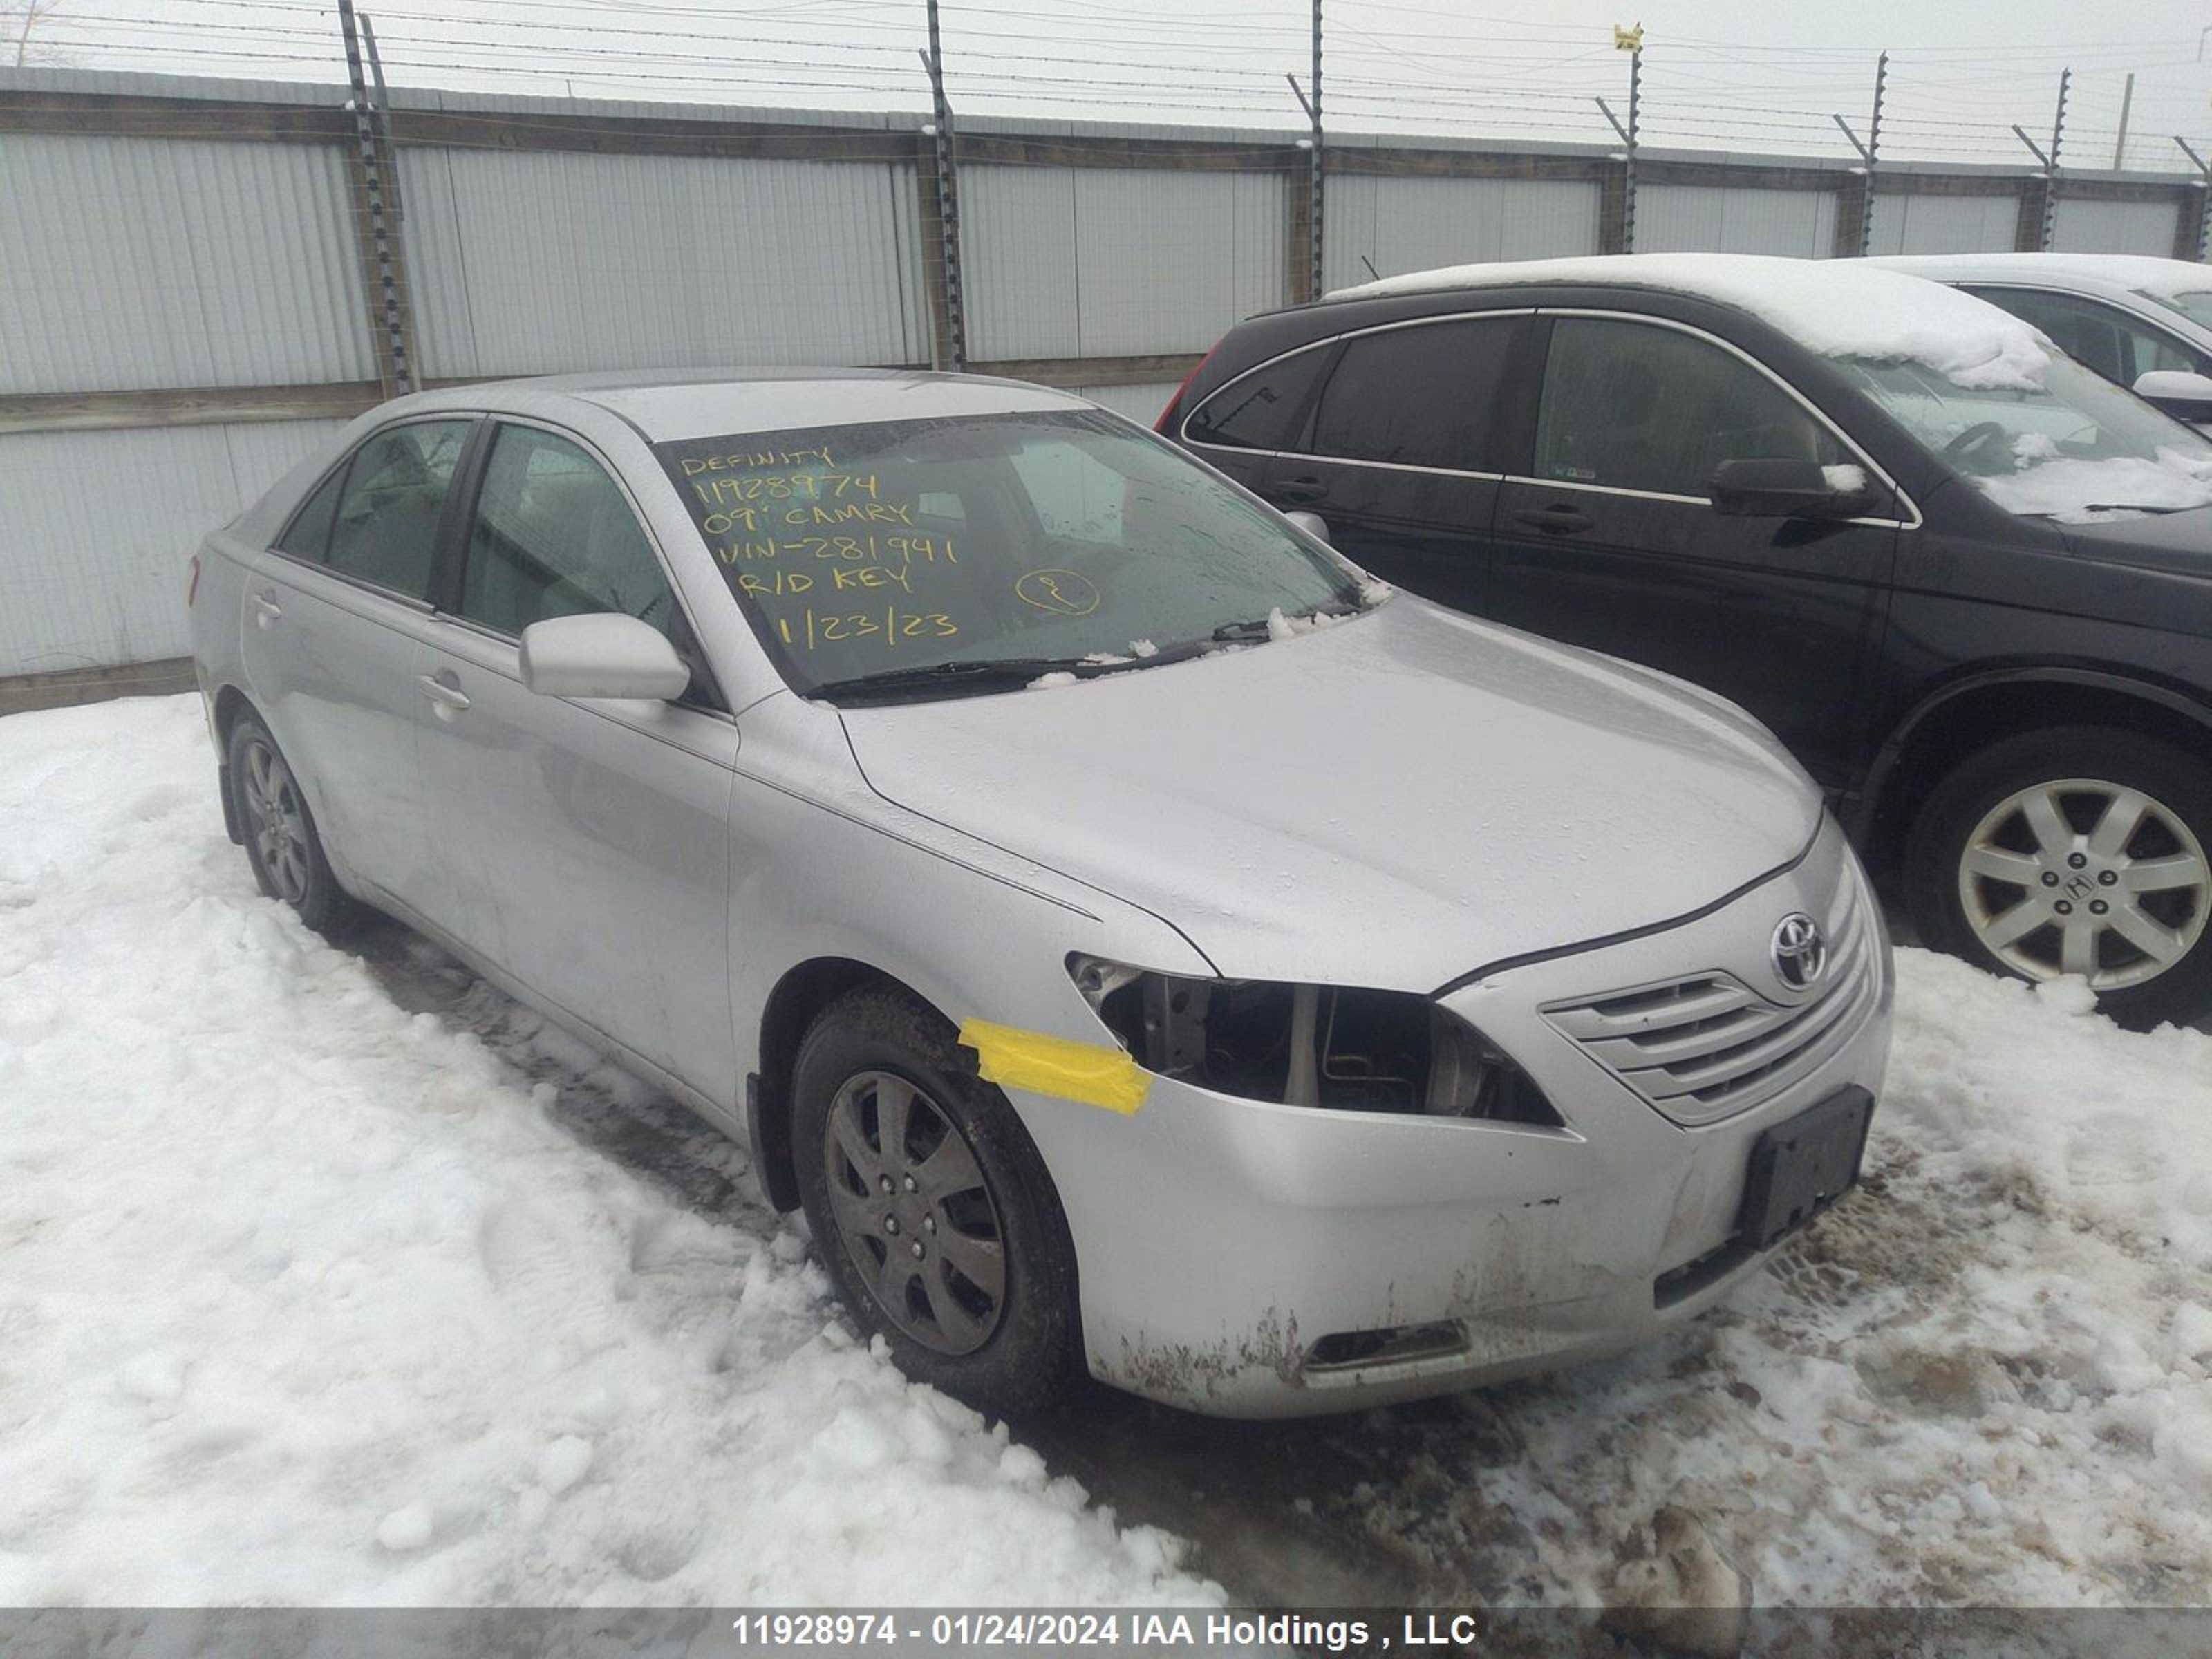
<point>1800,951</point>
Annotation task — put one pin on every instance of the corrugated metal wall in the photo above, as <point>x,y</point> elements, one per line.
<point>1944,224</point>
<point>1083,262</point>
<point>96,528</point>
<point>1732,219</point>
<point>1141,403</point>
<point>535,263</point>
<point>1417,224</point>
<point>2080,226</point>
<point>141,263</point>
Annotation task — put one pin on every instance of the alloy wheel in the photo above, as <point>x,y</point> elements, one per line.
<point>2083,876</point>
<point>915,1213</point>
<point>276,822</point>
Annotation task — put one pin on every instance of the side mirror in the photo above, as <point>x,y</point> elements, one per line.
<point>606,654</point>
<point>2176,392</point>
<point>1313,524</point>
<point>1787,490</point>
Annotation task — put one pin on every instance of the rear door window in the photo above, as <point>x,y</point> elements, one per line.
<point>1416,395</point>
<point>1263,409</point>
<point>1631,406</point>
<point>554,536</point>
<point>308,536</point>
<point>386,527</point>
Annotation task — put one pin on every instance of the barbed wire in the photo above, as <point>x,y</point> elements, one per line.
<point>1522,77</point>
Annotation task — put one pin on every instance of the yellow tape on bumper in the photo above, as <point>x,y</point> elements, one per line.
<point>1087,1072</point>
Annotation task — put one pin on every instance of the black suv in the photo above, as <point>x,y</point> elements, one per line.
<point>1980,615</point>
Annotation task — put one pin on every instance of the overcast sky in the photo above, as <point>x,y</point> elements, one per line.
<point>1750,76</point>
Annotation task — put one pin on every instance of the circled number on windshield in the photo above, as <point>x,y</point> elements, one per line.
<point>1062,592</point>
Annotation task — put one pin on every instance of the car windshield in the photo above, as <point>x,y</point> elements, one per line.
<point>2197,304</point>
<point>944,554</point>
<point>2075,447</point>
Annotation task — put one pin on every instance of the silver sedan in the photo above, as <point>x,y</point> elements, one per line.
<point>1138,940</point>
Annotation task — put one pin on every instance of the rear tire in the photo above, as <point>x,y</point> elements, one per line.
<point>2080,849</point>
<point>930,1207</point>
<point>282,842</point>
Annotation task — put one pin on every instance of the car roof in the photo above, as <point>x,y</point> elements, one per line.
<point>1834,307</point>
<point>665,405</point>
<point>2134,273</point>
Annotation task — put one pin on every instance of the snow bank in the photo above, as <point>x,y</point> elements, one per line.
<point>306,1299</point>
<point>1837,308</point>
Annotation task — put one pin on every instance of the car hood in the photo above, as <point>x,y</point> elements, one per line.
<point>1394,801</point>
<point>2179,543</point>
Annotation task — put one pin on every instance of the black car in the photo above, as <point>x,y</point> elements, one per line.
<point>1967,582</point>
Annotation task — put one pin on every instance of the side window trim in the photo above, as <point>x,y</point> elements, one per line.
<point>1335,343</point>
<point>1910,520</point>
<point>454,543</point>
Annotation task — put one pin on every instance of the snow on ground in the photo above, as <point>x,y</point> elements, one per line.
<point>307,1299</point>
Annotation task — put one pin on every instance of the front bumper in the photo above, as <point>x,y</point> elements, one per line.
<point>1247,1258</point>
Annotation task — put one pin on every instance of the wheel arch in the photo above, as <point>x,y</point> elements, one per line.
<point>1954,720</point>
<point>803,992</point>
<point>229,703</point>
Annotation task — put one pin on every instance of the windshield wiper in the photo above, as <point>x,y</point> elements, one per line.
<point>1258,630</point>
<point>2129,506</point>
<point>977,674</point>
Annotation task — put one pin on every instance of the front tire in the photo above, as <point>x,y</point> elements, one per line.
<point>2082,850</point>
<point>930,1207</point>
<point>282,842</point>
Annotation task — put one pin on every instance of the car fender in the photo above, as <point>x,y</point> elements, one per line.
<point>1880,773</point>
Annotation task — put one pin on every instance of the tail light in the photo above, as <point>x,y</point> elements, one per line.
<point>192,585</point>
<point>1165,425</point>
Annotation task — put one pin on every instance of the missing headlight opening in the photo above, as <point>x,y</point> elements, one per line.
<point>1340,1048</point>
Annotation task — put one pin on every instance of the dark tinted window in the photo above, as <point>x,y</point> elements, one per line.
<point>308,535</point>
<point>386,530</point>
<point>1635,406</point>
<point>553,536</point>
<point>2099,336</point>
<point>1419,396</point>
<point>1260,410</point>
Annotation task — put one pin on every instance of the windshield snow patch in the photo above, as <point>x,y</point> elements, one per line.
<point>2077,491</point>
<point>1839,309</point>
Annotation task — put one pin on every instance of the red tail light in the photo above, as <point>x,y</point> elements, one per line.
<point>193,586</point>
<point>1164,426</point>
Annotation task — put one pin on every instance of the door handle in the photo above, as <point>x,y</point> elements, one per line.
<point>1558,521</point>
<point>1297,492</point>
<point>266,608</point>
<point>438,691</point>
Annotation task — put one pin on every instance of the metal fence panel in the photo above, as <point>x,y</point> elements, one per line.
<point>135,264</point>
<point>2086,227</point>
<point>91,578</point>
<point>1944,224</point>
<point>1017,254</point>
<point>1093,262</point>
<point>1735,219</point>
<point>537,263</point>
<point>1398,225</point>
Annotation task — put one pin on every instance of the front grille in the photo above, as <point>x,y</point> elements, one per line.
<point>1705,1047</point>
